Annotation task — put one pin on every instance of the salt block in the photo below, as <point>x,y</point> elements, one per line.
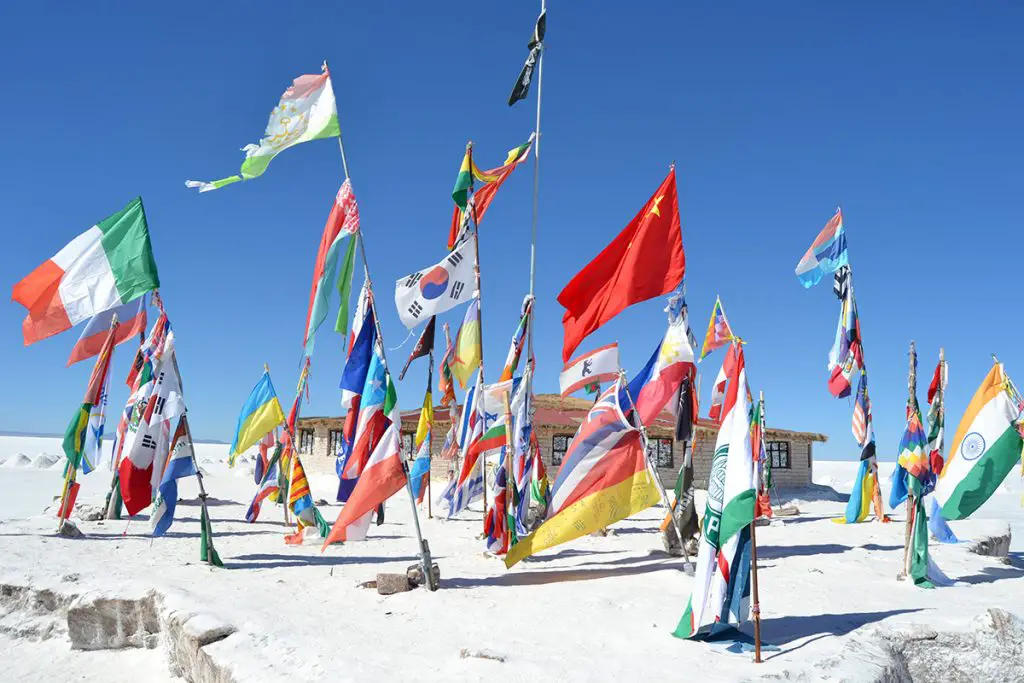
<point>994,544</point>
<point>98,622</point>
<point>388,584</point>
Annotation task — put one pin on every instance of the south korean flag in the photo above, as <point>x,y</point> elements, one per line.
<point>438,288</point>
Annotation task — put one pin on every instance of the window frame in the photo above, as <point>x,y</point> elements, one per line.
<point>334,440</point>
<point>560,451</point>
<point>409,444</point>
<point>774,452</point>
<point>656,447</point>
<point>307,438</point>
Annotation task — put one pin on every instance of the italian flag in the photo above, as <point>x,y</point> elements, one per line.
<point>985,449</point>
<point>106,266</point>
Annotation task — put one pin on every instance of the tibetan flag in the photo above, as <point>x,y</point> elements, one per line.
<point>536,45</point>
<point>719,333</point>
<point>483,195</point>
<point>826,254</point>
<point>108,265</point>
<point>260,414</point>
<point>986,447</point>
<point>306,112</point>
<point>466,358</point>
<point>645,260</point>
<point>131,323</point>
<point>721,582</point>
<point>342,222</point>
<point>424,346</point>
<point>604,478</point>
<point>180,463</point>
<point>600,365</point>
<point>437,288</point>
<point>84,436</point>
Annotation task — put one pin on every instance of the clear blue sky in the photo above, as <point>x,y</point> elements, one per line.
<point>774,113</point>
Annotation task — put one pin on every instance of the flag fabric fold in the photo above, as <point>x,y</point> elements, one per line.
<point>180,463</point>
<point>599,365</point>
<point>438,288</point>
<point>424,346</point>
<point>467,354</point>
<point>719,333</point>
<point>536,45</point>
<point>260,414</point>
<point>131,319</point>
<point>826,254</point>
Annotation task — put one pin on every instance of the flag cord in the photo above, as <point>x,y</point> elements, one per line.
<point>479,301</point>
<point>653,469</point>
<point>424,548</point>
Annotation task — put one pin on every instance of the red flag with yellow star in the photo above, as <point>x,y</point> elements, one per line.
<point>645,260</point>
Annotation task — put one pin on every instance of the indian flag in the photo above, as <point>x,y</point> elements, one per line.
<point>106,266</point>
<point>307,111</point>
<point>985,449</point>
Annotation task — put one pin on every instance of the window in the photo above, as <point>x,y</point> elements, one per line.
<point>334,442</point>
<point>408,443</point>
<point>305,441</point>
<point>778,451</point>
<point>660,450</point>
<point>559,445</point>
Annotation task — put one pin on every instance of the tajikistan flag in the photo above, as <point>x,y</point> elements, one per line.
<point>985,449</point>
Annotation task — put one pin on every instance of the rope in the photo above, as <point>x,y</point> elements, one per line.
<point>404,341</point>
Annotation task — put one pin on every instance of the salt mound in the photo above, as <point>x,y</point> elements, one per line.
<point>45,461</point>
<point>17,460</point>
<point>58,464</point>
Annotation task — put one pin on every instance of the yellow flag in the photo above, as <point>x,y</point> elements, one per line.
<point>426,417</point>
<point>467,346</point>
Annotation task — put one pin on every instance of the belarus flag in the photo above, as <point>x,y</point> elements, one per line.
<point>106,266</point>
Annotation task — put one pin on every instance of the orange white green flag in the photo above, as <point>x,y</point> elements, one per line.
<point>307,111</point>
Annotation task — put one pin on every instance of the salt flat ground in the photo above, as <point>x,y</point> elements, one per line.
<point>599,608</point>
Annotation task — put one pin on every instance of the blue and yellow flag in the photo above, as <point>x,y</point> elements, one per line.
<point>260,414</point>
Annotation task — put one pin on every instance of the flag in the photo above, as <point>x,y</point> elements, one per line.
<point>362,305</point>
<point>180,463</point>
<point>483,195</point>
<point>937,418</point>
<point>720,585</point>
<point>268,486</point>
<point>464,180</point>
<point>469,485</point>
<point>846,358</point>
<point>644,261</point>
<point>494,425</point>
<point>152,345</point>
<point>913,456</point>
<point>260,414</point>
<point>426,415</point>
<point>519,339</point>
<point>863,432</point>
<point>718,388</point>
<point>293,414</point>
<point>424,346</point>
<point>437,288</point>
<point>108,265</point>
<point>654,387</point>
<point>372,417</point>
<point>83,439</point>
<point>420,470</point>
<point>985,448</point>
<point>523,439</point>
<point>859,505</point>
<point>600,365</point>
<point>353,377</point>
<point>603,479</point>
<point>206,550</point>
<point>719,333</point>
<point>306,112</point>
<point>466,357</point>
<point>382,477</point>
<point>446,382</point>
<point>345,287</point>
<point>826,254</point>
<point>342,222</point>
<point>263,460</point>
<point>536,45</point>
<point>686,409</point>
<point>131,319</point>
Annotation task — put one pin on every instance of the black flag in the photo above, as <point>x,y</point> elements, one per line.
<point>423,347</point>
<point>685,409</point>
<point>522,87</point>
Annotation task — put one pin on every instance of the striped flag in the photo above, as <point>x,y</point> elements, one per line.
<point>180,463</point>
<point>268,486</point>
<point>861,426</point>
<point>469,485</point>
<point>131,323</point>
<point>826,254</point>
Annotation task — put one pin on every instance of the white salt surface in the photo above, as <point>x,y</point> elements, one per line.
<point>599,608</point>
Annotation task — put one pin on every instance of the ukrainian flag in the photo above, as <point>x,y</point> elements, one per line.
<point>859,505</point>
<point>260,414</point>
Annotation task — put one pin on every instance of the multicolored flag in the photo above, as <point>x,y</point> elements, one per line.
<point>493,417</point>
<point>469,485</point>
<point>306,112</point>
<point>599,365</point>
<point>721,583</point>
<point>536,45</point>
<point>846,358</point>
<point>937,417</point>
<point>446,381</point>
<point>83,438</point>
<point>180,463</point>
<point>268,486</point>
<point>645,260</point>
<point>826,254</point>
<point>260,414</point>
<point>357,366</point>
<point>519,339</point>
<point>467,355</point>
<point>372,417</point>
<point>604,478</point>
<point>863,432</point>
<point>985,448</point>
<point>131,319</point>
<point>108,265</point>
<point>719,333</point>
<point>424,346</point>
<point>342,222</point>
<point>438,288</point>
<point>657,384</point>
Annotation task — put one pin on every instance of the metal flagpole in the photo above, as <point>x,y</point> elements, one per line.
<point>756,607</point>
<point>912,393</point>
<point>430,432</point>
<point>424,548</point>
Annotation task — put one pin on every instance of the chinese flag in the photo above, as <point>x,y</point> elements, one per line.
<point>645,260</point>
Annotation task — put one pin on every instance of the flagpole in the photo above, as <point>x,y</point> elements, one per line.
<point>657,478</point>
<point>756,608</point>
<point>424,548</point>
<point>430,432</point>
<point>210,552</point>
<point>536,193</point>
<point>479,304</point>
<point>912,393</point>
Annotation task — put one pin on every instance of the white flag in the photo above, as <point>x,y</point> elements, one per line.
<point>438,288</point>
<point>600,365</point>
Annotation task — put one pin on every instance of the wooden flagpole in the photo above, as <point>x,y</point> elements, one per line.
<point>912,395</point>
<point>424,548</point>
<point>756,607</point>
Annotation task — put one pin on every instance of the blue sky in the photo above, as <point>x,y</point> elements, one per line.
<point>775,114</point>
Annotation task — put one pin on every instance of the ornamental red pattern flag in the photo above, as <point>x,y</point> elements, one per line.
<point>645,260</point>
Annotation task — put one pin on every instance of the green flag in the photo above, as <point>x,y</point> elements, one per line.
<point>345,286</point>
<point>207,553</point>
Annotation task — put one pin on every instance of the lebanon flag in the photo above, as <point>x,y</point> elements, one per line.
<point>382,478</point>
<point>644,261</point>
<point>106,266</point>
